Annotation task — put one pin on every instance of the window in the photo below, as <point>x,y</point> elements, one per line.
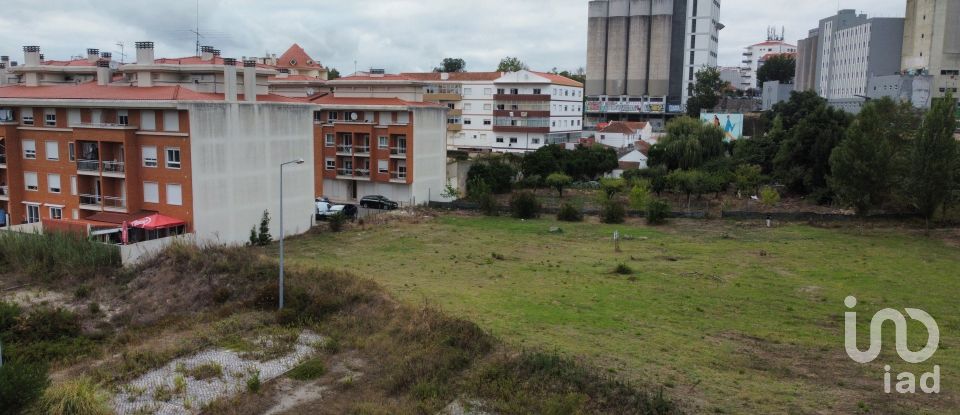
<point>536,91</point>
<point>52,150</point>
<point>331,163</point>
<point>149,156</point>
<point>451,106</point>
<point>174,195</point>
<point>513,140</point>
<point>73,185</point>
<point>50,117</point>
<point>500,91</point>
<point>385,118</point>
<point>56,213</point>
<point>123,117</point>
<point>403,118</point>
<point>72,151</point>
<point>467,91</point>
<point>487,91</point>
<point>383,166</point>
<point>26,116</point>
<point>29,149</point>
<point>331,116</point>
<point>33,213</point>
<point>500,139</point>
<point>467,121</point>
<point>53,183</point>
<point>535,141</point>
<point>514,91</point>
<point>384,142</point>
<point>151,192</point>
<point>171,121</point>
<point>487,122</point>
<point>30,181</point>
<point>329,140</point>
<point>467,107</point>
<point>487,107</point>
<point>148,121</point>
<point>173,158</point>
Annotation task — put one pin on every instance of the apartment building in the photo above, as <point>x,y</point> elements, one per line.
<point>170,138</point>
<point>757,54</point>
<point>931,43</point>
<point>488,111</point>
<point>852,48</point>
<point>379,146</point>
<point>298,74</point>
<point>643,56</point>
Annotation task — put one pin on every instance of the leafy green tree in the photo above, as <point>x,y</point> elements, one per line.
<point>799,106</point>
<point>933,159</point>
<point>494,172</point>
<point>803,159</point>
<point>452,65</point>
<point>580,75</point>
<point>612,186</point>
<point>21,384</point>
<point>769,196</point>
<point>747,177</point>
<point>706,91</point>
<point>778,68</point>
<point>762,149</point>
<point>511,64</point>
<point>640,194</point>
<point>688,144</point>
<point>559,181</point>
<point>332,74</point>
<point>865,165</point>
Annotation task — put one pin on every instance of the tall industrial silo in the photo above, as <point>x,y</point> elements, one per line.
<point>638,55</point>
<point>597,48</point>
<point>661,29</point>
<point>617,36</point>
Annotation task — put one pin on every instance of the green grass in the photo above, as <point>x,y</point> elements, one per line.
<point>309,370</point>
<point>728,318</point>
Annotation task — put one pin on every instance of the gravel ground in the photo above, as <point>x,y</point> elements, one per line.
<point>138,397</point>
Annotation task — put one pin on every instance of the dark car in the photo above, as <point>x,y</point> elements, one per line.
<point>378,202</point>
<point>348,211</point>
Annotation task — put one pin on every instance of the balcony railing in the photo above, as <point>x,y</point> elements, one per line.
<point>362,173</point>
<point>113,167</point>
<point>88,165</point>
<point>345,149</point>
<point>362,149</point>
<point>398,151</point>
<point>344,172</point>
<point>4,190</point>
<point>103,201</point>
<point>398,175</point>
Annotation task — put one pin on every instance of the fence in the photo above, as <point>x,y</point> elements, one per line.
<point>134,254</point>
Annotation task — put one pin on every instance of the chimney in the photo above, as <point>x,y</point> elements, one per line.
<point>145,53</point>
<point>31,55</point>
<point>107,56</point>
<point>104,74</point>
<point>4,59</point>
<point>250,80</point>
<point>93,55</point>
<point>230,79</point>
<point>206,53</point>
<point>3,72</point>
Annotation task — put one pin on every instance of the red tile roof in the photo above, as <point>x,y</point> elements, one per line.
<point>297,78</point>
<point>623,127</point>
<point>454,76</point>
<point>197,60</point>
<point>296,57</point>
<point>91,90</point>
<point>75,62</point>
<point>559,79</point>
<point>387,77</point>
<point>772,43</point>
<point>327,99</point>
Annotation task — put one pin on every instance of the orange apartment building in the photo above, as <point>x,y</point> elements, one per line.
<point>192,139</point>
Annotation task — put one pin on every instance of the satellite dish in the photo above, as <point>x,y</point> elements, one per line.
<point>354,116</point>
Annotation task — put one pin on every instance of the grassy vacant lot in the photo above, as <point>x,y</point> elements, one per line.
<point>728,317</point>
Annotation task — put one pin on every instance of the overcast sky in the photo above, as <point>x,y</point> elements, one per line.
<point>397,35</point>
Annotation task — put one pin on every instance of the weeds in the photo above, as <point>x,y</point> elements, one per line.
<point>79,396</point>
<point>309,370</point>
<point>253,382</point>
<point>53,256</point>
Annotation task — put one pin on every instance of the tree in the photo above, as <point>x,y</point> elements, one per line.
<point>21,384</point>
<point>559,181</point>
<point>803,159</point>
<point>761,150</point>
<point>864,166</point>
<point>778,68</point>
<point>688,144</point>
<point>494,173</point>
<point>640,194</point>
<point>933,159</point>
<point>332,74</point>
<point>706,91</point>
<point>452,65</point>
<point>612,186</point>
<point>582,163</point>
<point>511,64</point>
<point>580,75</point>
<point>747,177</point>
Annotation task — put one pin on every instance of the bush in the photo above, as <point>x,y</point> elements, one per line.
<point>769,196</point>
<point>9,312</point>
<point>623,269</point>
<point>253,382</point>
<point>337,222</point>
<point>309,370</point>
<point>21,383</point>
<point>612,211</point>
<point>657,212</point>
<point>559,181</point>
<point>640,194</point>
<point>47,324</point>
<point>569,213</point>
<point>612,186</point>
<point>497,174</point>
<point>525,205</point>
<point>80,396</point>
<point>261,236</point>
<point>54,255</point>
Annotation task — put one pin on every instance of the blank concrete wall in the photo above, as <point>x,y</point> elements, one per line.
<point>237,150</point>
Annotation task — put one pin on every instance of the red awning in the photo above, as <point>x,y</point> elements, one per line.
<point>156,221</point>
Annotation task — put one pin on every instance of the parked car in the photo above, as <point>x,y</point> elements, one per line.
<point>350,211</point>
<point>378,202</point>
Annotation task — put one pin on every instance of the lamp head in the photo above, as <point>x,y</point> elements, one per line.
<point>300,161</point>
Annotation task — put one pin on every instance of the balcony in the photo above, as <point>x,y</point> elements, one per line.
<point>114,168</point>
<point>521,97</point>
<point>454,112</point>
<point>88,167</point>
<point>454,127</point>
<point>104,126</point>
<point>362,173</point>
<point>345,173</point>
<point>441,96</point>
<point>398,152</point>
<point>398,176</point>
<point>106,203</point>
<point>3,161</point>
<point>344,149</point>
<point>4,192</point>
<point>361,150</point>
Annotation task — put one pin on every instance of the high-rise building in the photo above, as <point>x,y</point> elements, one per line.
<point>931,42</point>
<point>643,55</point>
<point>852,48</point>
<point>806,73</point>
<point>755,55</point>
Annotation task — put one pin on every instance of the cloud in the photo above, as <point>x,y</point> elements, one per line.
<point>397,35</point>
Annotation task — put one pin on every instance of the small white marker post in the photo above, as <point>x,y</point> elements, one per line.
<point>616,241</point>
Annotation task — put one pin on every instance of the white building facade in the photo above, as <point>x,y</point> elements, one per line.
<point>755,55</point>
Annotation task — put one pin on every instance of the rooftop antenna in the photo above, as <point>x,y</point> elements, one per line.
<point>122,55</point>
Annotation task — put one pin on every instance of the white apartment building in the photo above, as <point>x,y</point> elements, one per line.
<point>488,111</point>
<point>754,57</point>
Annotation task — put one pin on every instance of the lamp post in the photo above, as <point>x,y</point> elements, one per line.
<point>298,161</point>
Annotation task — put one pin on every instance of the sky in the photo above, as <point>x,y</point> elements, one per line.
<point>396,35</point>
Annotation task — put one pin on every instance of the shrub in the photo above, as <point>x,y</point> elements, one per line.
<point>559,181</point>
<point>612,211</point>
<point>9,312</point>
<point>525,205</point>
<point>261,236</point>
<point>657,212</point>
<point>623,269</point>
<point>640,194</point>
<point>80,396</point>
<point>206,371</point>
<point>309,370</point>
<point>612,186</point>
<point>54,255</point>
<point>337,222</point>
<point>569,213</point>
<point>47,324</point>
<point>769,196</point>
<point>479,192</point>
<point>21,383</point>
<point>253,382</point>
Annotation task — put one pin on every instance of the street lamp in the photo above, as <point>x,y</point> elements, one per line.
<point>298,161</point>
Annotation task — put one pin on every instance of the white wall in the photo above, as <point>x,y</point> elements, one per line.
<point>429,154</point>
<point>134,254</point>
<point>237,150</point>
